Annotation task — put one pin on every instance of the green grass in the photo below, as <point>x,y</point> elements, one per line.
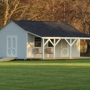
<point>45,75</point>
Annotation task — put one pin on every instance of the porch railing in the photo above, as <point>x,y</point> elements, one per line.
<point>39,51</point>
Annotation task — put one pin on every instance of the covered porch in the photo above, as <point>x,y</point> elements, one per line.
<point>60,47</point>
<point>54,48</point>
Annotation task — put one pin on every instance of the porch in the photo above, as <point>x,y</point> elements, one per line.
<point>53,48</point>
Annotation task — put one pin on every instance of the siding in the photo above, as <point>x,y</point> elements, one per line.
<point>13,29</point>
<point>76,49</point>
<point>30,48</point>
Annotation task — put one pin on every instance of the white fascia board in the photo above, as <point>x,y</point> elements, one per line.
<point>65,37</point>
<point>82,38</point>
<point>51,37</point>
<point>34,34</point>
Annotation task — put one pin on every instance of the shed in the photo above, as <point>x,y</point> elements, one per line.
<point>39,39</point>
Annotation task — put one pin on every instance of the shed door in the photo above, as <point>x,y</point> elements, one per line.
<point>11,46</point>
<point>64,49</point>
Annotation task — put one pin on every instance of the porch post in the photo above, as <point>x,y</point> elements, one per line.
<point>43,49</point>
<point>70,48</point>
<point>54,48</point>
<point>26,45</point>
<point>71,44</point>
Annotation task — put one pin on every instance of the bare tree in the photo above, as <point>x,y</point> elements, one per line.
<point>11,8</point>
<point>83,15</point>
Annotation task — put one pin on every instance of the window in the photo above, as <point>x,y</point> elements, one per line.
<point>50,44</point>
<point>37,42</point>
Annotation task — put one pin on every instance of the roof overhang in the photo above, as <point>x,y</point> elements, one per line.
<point>34,34</point>
<point>66,37</point>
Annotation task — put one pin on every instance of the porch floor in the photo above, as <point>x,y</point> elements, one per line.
<point>60,58</point>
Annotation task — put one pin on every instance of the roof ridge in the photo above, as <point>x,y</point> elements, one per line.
<point>39,21</point>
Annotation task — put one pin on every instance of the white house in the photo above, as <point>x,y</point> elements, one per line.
<point>37,39</point>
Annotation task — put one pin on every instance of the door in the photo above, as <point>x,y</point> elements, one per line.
<point>11,46</point>
<point>64,49</point>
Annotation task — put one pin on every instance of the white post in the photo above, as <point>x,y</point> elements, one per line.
<point>43,49</point>
<point>54,48</point>
<point>70,48</point>
<point>26,45</point>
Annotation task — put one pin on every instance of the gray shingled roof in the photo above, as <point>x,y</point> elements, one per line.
<point>50,29</point>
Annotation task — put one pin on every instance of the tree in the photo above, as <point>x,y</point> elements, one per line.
<point>83,16</point>
<point>10,9</point>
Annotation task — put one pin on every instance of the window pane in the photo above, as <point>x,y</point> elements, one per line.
<point>37,42</point>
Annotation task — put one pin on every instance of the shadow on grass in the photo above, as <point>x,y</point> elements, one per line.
<point>85,54</point>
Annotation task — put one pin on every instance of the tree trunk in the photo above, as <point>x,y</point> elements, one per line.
<point>88,47</point>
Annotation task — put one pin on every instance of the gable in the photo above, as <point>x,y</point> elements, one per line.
<point>12,27</point>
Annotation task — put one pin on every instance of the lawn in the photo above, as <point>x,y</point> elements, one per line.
<point>45,75</point>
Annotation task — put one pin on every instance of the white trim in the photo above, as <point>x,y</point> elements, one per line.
<point>70,48</point>
<point>66,37</point>
<point>46,42</point>
<point>50,37</point>
<point>26,44</point>
<point>34,34</point>
<point>79,45</point>
<point>11,36</point>
<point>43,49</point>
<point>73,42</point>
<point>54,48</point>
<point>7,45</point>
<point>70,44</point>
<point>16,44</point>
<point>51,42</point>
<point>57,41</point>
<point>67,41</point>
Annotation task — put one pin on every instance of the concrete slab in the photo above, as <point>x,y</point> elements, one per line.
<point>7,59</point>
